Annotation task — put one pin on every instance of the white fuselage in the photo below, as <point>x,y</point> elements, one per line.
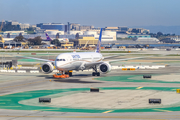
<point>76,61</point>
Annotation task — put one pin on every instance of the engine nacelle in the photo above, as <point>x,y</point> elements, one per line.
<point>47,67</point>
<point>105,67</point>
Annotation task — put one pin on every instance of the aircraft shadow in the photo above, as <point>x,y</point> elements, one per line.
<point>77,75</point>
<point>46,76</point>
<point>82,75</point>
<point>73,81</point>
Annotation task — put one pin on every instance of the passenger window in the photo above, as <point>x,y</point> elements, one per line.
<point>63,59</point>
<point>60,59</point>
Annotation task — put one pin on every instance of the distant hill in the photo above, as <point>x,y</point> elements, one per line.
<point>163,29</point>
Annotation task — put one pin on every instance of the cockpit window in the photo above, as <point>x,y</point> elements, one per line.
<point>60,60</point>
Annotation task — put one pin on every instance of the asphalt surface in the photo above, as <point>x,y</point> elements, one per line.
<point>16,83</point>
<point>12,83</point>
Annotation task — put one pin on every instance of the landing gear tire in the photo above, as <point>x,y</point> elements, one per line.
<point>94,74</point>
<point>98,73</point>
<point>70,74</point>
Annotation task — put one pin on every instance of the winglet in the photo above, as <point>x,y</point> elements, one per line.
<point>99,42</point>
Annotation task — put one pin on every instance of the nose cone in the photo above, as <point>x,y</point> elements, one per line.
<point>59,65</point>
<point>61,62</point>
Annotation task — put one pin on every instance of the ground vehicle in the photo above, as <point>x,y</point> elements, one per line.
<point>59,75</point>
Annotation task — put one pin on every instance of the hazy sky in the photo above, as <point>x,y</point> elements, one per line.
<point>100,13</point>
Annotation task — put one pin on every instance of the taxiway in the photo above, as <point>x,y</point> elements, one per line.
<point>71,98</point>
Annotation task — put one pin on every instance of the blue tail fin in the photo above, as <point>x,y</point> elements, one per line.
<point>99,42</point>
<point>48,38</point>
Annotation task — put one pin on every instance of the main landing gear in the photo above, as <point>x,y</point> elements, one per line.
<point>95,73</point>
<point>69,73</point>
<point>61,74</point>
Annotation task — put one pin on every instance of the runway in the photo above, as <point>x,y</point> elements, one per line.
<point>17,93</point>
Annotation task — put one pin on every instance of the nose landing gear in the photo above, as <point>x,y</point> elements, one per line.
<point>70,73</point>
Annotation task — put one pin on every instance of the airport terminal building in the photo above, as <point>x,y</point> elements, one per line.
<point>52,26</point>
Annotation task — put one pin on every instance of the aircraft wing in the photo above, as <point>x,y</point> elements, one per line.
<point>111,61</point>
<point>112,56</point>
<point>37,59</point>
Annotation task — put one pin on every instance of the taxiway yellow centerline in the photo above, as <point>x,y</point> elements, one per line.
<point>108,111</point>
<point>139,87</point>
<point>162,110</point>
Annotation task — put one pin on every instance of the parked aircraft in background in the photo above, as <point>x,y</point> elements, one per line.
<point>48,38</point>
<point>60,39</point>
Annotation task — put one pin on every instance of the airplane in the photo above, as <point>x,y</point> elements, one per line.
<point>48,38</point>
<point>60,39</point>
<point>66,62</point>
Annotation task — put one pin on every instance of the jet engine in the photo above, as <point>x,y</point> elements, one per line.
<point>105,67</point>
<point>47,67</point>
